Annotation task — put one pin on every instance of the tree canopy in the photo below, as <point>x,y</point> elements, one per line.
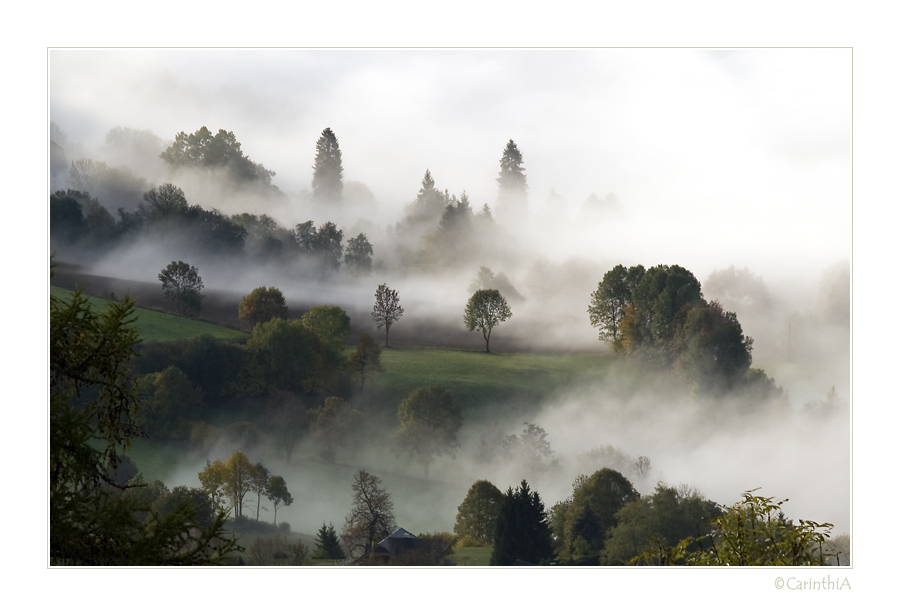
<point>182,284</point>
<point>476,516</point>
<point>371,517</point>
<point>430,419</point>
<point>203,150</point>
<point>262,304</point>
<point>93,412</point>
<point>328,171</point>
<point>511,182</point>
<point>387,309</point>
<point>485,310</point>
<point>522,531</point>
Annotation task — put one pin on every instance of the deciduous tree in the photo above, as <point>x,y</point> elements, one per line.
<point>367,359</point>
<point>278,494</point>
<point>334,425</point>
<point>477,515</point>
<point>608,302</point>
<point>182,284</point>
<point>358,256</point>
<point>387,309</point>
<point>486,309</point>
<point>429,420</point>
<point>262,305</point>
<point>371,518</point>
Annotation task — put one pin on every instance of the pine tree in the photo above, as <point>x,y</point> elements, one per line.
<point>523,532</point>
<point>511,181</point>
<point>327,180</point>
<point>328,545</point>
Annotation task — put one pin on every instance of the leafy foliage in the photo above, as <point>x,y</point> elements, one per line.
<point>262,305</point>
<point>371,518</point>
<point>477,515</point>
<point>366,360</point>
<point>604,493</point>
<point>359,255</point>
<point>387,309</point>
<point>429,420</point>
<point>608,302</point>
<point>182,284</point>
<point>485,310</point>
<point>203,150</point>
<point>334,424</point>
<point>752,532</point>
<point>93,411</point>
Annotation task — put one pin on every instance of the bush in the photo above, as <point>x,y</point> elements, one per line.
<point>277,551</point>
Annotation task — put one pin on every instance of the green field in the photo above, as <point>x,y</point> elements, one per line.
<point>160,327</point>
<point>477,378</point>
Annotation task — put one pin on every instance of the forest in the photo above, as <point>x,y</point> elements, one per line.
<point>242,374</point>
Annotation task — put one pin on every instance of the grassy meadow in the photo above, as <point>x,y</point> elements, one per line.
<point>160,327</point>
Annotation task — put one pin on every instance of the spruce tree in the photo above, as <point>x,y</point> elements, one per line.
<point>327,180</point>
<point>328,545</point>
<point>512,185</point>
<point>523,532</point>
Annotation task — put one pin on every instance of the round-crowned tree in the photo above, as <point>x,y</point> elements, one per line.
<point>262,305</point>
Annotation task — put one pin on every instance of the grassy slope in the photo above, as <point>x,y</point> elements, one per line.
<point>160,327</point>
<point>477,378</point>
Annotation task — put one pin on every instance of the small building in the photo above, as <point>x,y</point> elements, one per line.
<point>403,548</point>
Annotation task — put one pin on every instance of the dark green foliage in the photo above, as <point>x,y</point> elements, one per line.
<point>291,357</point>
<point>604,493</point>
<point>93,408</point>
<point>753,532</point>
<point>203,150</point>
<point>485,310</point>
<point>328,545</point>
<point>713,353</point>
<point>321,246</point>
<point>608,302</point>
<point>262,305</point>
<point>366,360</point>
<point>182,284</point>
<point>168,397</point>
<point>663,518</point>
<point>165,212</point>
<point>278,494</point>
<point>387,309</point>
<point>330,323</point>
<point>277,552</point>
<point>327,183</point>
<point>359,255</point>
<point>334,425</point>
<point>522,531</point>
<point>429,421</point>
<point>477,515</point>
<point>511,182</point>
<point>79,221</point>
<point>661,295</point>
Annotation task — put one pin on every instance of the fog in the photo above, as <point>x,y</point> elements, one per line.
<point>705,159</point>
